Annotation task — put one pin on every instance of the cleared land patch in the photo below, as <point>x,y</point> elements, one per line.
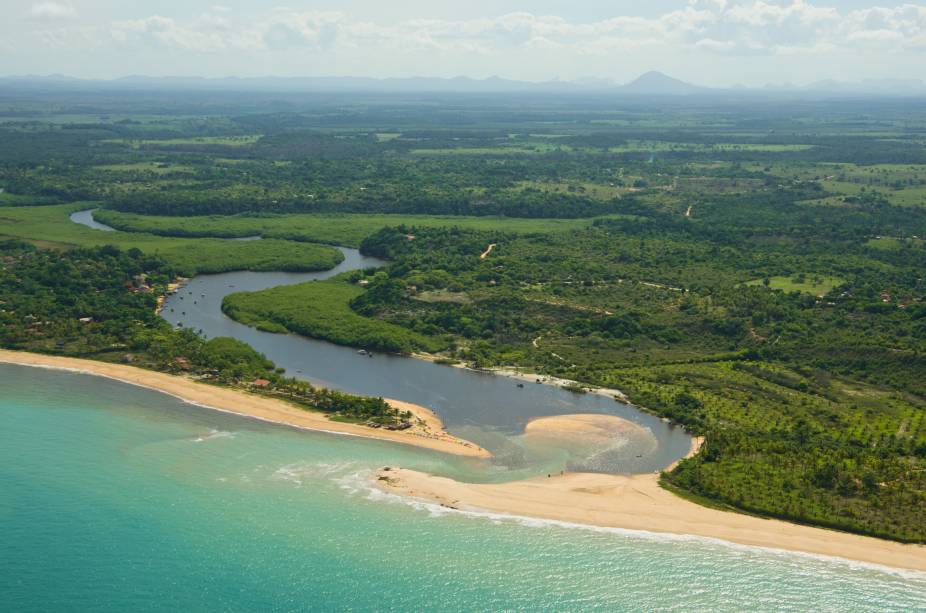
<point>817,285</point>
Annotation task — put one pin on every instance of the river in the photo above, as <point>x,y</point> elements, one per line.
<point>488,409</point>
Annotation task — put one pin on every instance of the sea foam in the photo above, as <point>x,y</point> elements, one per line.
<point>361,482</point>
<point>300,472</point>
<point>213,434</point>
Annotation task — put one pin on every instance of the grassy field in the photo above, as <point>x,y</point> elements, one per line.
<point>49,226</point>
<point>347,229</point>
<point>149,167</point>
<point>899,184</point>
<point>816,285</point>
<point>878,174</point>
<point>913,196</point>
<point>321,309</point>
<point>7,199</point>
<point>890,243</point>
<point>910,196</point>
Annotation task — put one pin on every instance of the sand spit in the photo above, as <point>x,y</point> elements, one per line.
<point>428,432</point>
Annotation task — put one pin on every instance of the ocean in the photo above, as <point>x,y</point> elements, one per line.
<point>117,498</point>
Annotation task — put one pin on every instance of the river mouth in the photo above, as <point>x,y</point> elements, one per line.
<point>490,410</point>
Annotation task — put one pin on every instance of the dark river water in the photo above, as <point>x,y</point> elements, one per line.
<point>488,409</point>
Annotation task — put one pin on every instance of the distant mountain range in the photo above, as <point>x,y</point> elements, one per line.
<point>649,84</point>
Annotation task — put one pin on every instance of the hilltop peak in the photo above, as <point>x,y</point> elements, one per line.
<point>658,83</point>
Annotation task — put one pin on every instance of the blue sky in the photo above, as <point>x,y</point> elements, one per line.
<point>713,42</point>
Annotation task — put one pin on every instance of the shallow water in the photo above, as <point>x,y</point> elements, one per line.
<point>116,498</point>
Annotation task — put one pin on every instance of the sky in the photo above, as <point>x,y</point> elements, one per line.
<point>709,42</point>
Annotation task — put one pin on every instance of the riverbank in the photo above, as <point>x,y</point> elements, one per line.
<point>512,373</point>
<point>637,502</point>
<point>172,288</point>
<point>616,394</point>
<point>427,432</point>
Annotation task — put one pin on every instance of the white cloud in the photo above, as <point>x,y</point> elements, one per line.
<point>727,27</point>
<point>52,11</point>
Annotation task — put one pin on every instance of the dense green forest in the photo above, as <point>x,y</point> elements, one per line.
<point>752,269</point>
<point>100,303</point>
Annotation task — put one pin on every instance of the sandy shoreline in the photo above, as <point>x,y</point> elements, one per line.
<point>429,433</point>
<point>634,502</point>
<point>637,502</point>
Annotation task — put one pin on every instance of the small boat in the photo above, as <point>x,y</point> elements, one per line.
<point>362,351</point>
<point>520,385</point>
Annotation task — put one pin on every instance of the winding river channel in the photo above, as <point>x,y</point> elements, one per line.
<point>488,409</point>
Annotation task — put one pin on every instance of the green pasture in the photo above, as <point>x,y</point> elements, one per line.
<point>50,226</point>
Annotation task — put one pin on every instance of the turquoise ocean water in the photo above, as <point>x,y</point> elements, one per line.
<point>115,498</point>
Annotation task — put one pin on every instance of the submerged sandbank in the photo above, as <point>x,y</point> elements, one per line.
<point>429,432</point>
<point>585,427</point>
